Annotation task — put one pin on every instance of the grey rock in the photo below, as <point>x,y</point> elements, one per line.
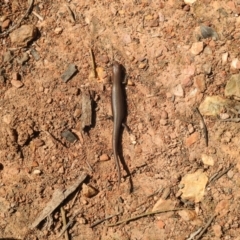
<point>69,136</point>
<point>208,32</point>
<point>35,54</point>
<point>69,72</point>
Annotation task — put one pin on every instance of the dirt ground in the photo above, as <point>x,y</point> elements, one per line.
<point>171,67</point>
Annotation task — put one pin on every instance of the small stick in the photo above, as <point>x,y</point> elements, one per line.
<point>205,131</point>
<point>144,215</point>
<point>103,220</point>
<point>205,228</point>
<point>93,63</point>
<point>18,24</point>
<point>75,197</point>
<point>192,235</point>
<point>64,222</point>
<point>220,174</point>
<point>68,224</point>
<point>236,120</point>
<point>37,15</point>
<point>71,13</point>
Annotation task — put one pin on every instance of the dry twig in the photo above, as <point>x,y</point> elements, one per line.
<point>71,13</point>
<point>144,215</point>
<point>58,197</point>
<point>93,72</point>
<point>215,177</point>
<point>205,228</point>
<point>37,15</point>
<point>64,222</point>
<point>103,220</point>
<point>68,224</point>
<point>194,234</point>
<point>236,120</point>
<point>205,131</point>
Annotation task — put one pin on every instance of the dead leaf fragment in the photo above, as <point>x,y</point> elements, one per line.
<point>194,186</point>
<point>207,160</point>
<point>163,204</point>
<point>101,73</point>
<point>178,91</point>
<point>192,139</point>
<point>187,215</point>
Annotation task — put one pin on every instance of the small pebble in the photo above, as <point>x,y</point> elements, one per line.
<point>104,157</point>
<point>196,48</point>
<point>142,65</point>
<point>61,170</point>
<point>77,113</point>
<point>163,122</point>
<point>7,119</point>
<point>154,23</point>
<point>207,160</point>
<point>207,50</point>
<point>81,220</point>
<point>15,76</point>
<point>190,128</point>
<point>133,139</point>
<point>58,30</point>
<point>192,139</point>
<point>34,164</point>
<point>17,84</point>
<point>235,64</point>
<point>36,172</point>
<point>6,24</point>
<point>7,57</point>
<point>35,54</point>
<point>105,59</point>
<point>200,83</point>
<point>178,91</point>
<point>49,100</point>
<point>186,8</point>
<point>207,68</point>
<point>25,57</point>
<point>164,115</point>
<point>3,18</point>
<point>224,116</point>
<point>69,136</point>
<point>230,174</point>
<point>69,72</point>
<point>208,32</point>
<point>88,191</point>
<point>224,58</point>
<point>190,1</point>
<point>130,83</point>
<point>161,224</point>
<point>212,150</point>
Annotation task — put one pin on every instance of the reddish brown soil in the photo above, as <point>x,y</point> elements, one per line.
<point>152,40</point>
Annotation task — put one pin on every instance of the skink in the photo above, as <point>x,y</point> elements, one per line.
<point>118,110</point>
